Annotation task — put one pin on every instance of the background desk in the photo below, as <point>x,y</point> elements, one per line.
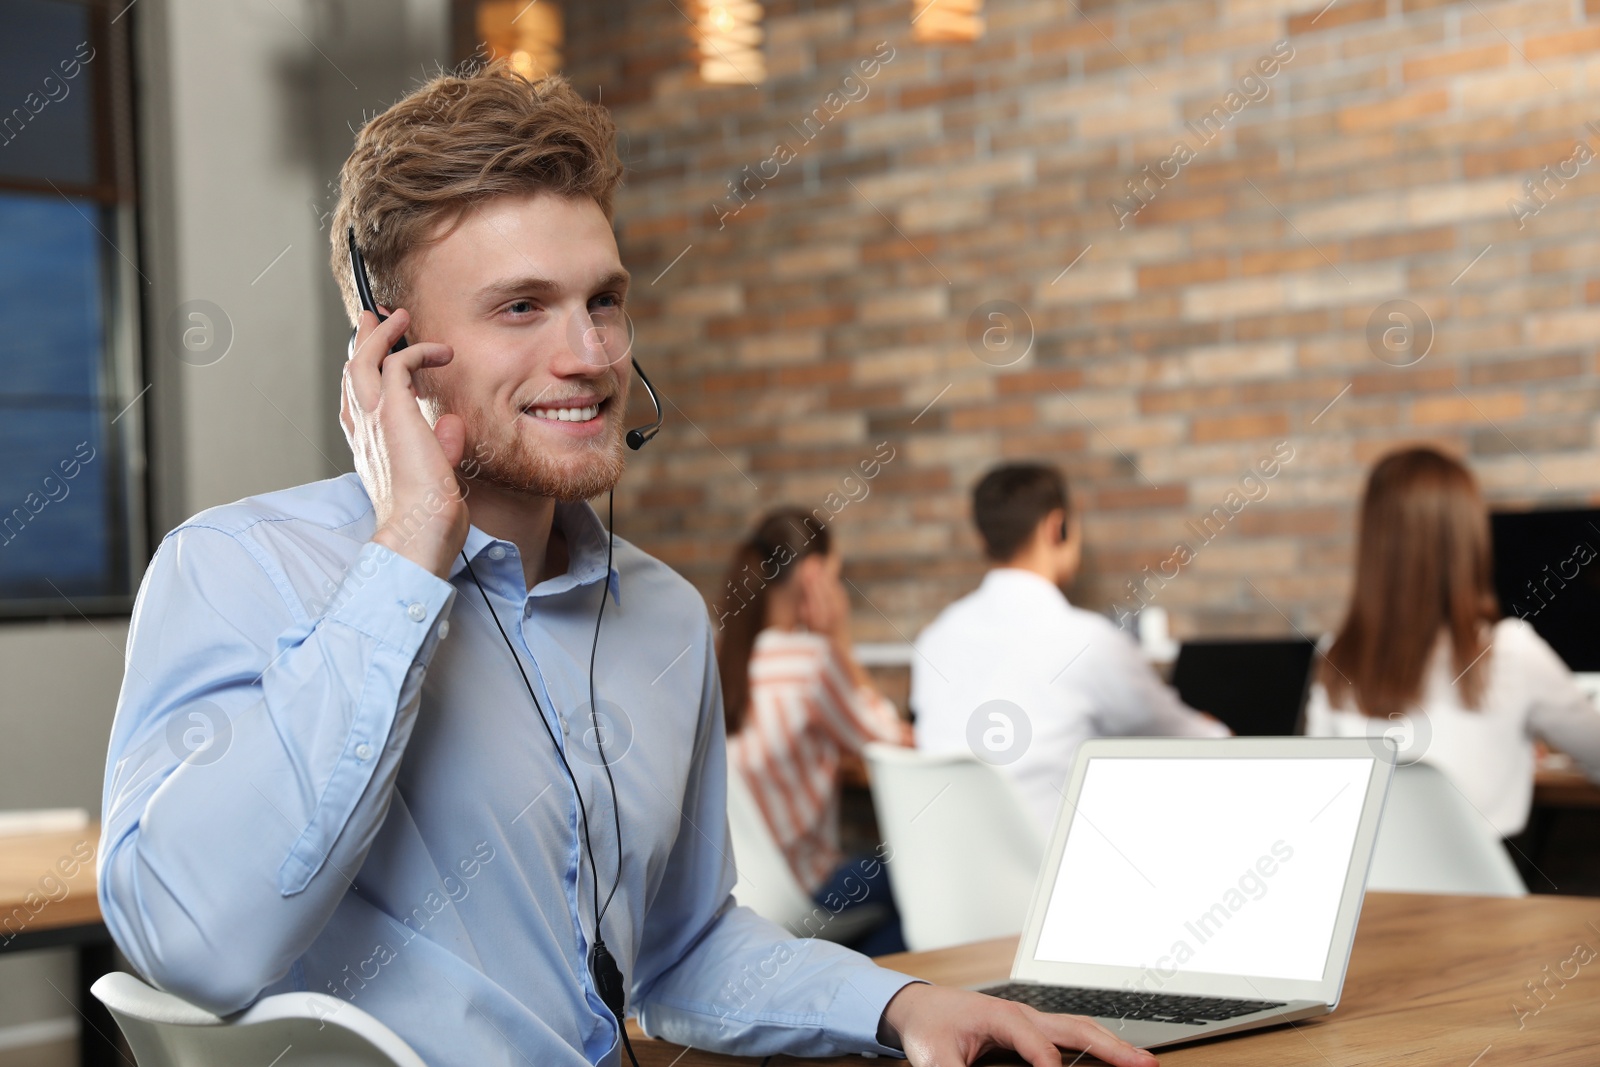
<point>1432,980</point>
<point>27,863</point>
<point>1564,789</point>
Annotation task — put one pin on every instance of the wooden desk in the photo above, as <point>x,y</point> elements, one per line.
<point>1431,981</point>
<point>1564,789</point>
<point>48,900</point>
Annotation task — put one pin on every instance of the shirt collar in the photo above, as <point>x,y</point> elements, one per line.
<point>1014,581</point>
<point>587,545</point>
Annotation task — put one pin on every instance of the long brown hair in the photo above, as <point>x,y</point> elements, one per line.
<point>1422,569</point>
<point>782,538</point>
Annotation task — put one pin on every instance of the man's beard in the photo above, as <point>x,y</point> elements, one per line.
<point>503,455</point>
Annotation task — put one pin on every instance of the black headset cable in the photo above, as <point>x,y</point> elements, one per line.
<point>603,968</point>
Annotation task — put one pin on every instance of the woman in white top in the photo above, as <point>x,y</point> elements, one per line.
<point>795,701</point>
<point>1424,656</point>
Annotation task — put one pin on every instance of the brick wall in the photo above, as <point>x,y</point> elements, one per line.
<point>1192,309</point>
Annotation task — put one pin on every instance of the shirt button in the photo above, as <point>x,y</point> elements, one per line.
<point>497,552</point>
<point>363,752</point>
<point>527,610</point>
<point>416,611</point>
<point>444,629</point>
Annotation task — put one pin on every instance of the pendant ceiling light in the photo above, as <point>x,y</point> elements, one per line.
<point>730,42</point>
<point>946,21</point>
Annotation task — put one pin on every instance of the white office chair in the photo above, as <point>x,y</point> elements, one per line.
<point>964,852</point>
<point>768,886</point>
<point>285,1030</point>
<point>1432,840</point>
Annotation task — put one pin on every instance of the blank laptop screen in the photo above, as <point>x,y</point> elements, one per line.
<point>1222,866</point>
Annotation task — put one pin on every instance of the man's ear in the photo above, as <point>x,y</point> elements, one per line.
<point>1055,527</point>
<point>1070,552</point>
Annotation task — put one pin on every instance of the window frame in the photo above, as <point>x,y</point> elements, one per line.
<point>121,370</point>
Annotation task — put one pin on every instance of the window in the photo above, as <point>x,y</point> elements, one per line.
<point>71,434</point>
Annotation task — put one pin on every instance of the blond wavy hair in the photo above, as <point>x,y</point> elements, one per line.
<point>459,139</point>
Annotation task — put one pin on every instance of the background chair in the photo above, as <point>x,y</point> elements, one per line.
<point>964,855</point>
<point>768,886</point>
<point>285,1030</point>
<point>1432,840</point>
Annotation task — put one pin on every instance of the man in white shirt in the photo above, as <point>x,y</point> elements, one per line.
<point>1018,676</point>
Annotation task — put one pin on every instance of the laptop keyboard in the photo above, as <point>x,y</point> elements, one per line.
<point>1129,1004</point>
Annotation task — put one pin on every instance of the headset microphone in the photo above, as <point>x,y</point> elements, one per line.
<point>639,435</point>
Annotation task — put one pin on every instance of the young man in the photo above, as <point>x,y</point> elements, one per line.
<point>354,751</point>
<point>1016,674</point>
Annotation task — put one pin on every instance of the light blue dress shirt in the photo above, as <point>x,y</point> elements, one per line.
<point>326,774</point>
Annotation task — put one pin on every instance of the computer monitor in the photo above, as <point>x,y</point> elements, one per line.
<point>1256,687</point>
<point>1547,571</point>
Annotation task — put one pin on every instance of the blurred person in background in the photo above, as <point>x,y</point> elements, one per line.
<point>796,701</point>
<point>1064,674</point>
<point>1422,639</point>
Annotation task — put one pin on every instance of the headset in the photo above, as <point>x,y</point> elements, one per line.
<point>603,968</point>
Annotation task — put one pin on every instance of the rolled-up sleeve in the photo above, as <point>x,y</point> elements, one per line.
<point>253,755</point>
<point>1130,698</point>
<point>1558,711</point>
<point>717,976</point>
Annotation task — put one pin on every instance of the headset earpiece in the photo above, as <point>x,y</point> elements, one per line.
<point>358,267</point>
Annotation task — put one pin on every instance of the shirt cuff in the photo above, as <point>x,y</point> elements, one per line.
<point>859,1005</point>
<point>390,598</point>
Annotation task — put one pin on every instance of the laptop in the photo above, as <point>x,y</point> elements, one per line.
<point>1258,688</point>
<point>1194,888</point>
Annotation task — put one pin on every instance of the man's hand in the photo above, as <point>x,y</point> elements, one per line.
<point>407,466</point>
<point>942,1027</point>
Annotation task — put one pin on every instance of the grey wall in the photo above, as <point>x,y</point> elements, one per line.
<point>246,110</point>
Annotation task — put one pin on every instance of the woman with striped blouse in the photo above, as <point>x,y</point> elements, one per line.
<point>796,701</point>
